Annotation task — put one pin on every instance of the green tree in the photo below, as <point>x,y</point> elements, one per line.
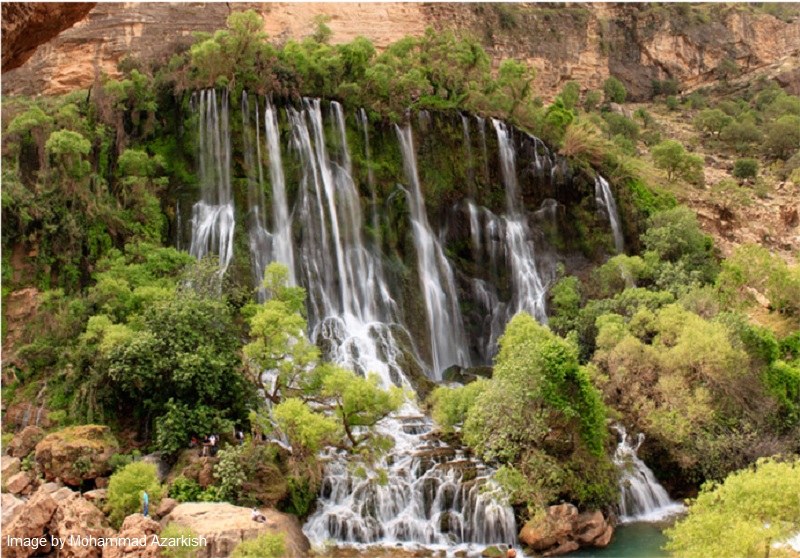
<point>782,137</point>
<point>515,80</point>
<point>742,517</point>
<point>592,100</point>
<point>451,405</point>
<point>125,489</point>
<point>712,121</point>
<point>614,91</point>
<point>570,94</point>
<point>671,156</point>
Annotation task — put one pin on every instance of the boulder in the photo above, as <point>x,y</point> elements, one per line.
<point>11,506</point>
<point>96,496</point>
<point>9,466</point>
<point>78,517</point>
<point>20,483</point>
<point>562,530</point>
<point>25,441</point>
<point>77,453</point>
<point>224,526</point>
<point>135,527</point>
<point>30,522</point>
<point>493,552</point>
<point>101,482</point>
<point>166,506</point>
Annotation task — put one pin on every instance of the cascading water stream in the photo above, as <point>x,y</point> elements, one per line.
<point>642,498</point>
<point>426,499</point>
<point>282,244</point>
<point>529,288</point>
<point>605,199</point>
<point>212,216</point>
<point>260,238</point>
<point>445,323</point>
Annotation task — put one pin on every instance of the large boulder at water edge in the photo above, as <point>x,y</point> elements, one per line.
<point>562,529</point>
<point>76,454</point>
<point>224,526</point>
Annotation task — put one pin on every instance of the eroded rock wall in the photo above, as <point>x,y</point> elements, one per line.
<point>582,42</point>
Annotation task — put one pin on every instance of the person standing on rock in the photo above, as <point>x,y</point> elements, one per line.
<point>145,504</point>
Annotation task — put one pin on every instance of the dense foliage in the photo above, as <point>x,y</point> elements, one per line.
<point>748,515</point>
<point>126,490</point>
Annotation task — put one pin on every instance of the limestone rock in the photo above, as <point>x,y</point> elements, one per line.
<point>78,517</point>
<point>166,506</point>
<point>25,441</point>
<point>135,526</point>
<point>9,466</point>
<point>27,25</point>
<point>562,529</point>
<point>77,453</point>
<point>20,483</point>
<point>225,526</point>
<point>11,506</point>
<point>101,482</point>
<point>30,522</point>
<point>96,496</point>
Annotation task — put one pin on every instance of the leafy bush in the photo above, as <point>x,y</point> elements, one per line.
<point>782,137</point>
<point>614,91</point>
<point>762,502</point>
<point>745,168</point>
<point>671,156</point>
<point>266,545</point>
<point>184,489</point>
<point>712,121</point>
<point>229,473</point>
<point>618,124</point>
<point>450,405</point>
<point>672,102</point>
<point>174,531</point>
<point>592,100</point>
<point>125,489</point>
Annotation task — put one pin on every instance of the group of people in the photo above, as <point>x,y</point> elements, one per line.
<point>210,443</point>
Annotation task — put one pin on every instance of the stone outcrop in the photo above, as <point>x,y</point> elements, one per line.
<point>586,42</point>
<point>226,525</point>
<point>11,506</point>
<point>9,466</point>
<point>562,530</point>
<point>21,483</point>
<point>30,522</point>
<point>26,25</point>
<point>25,441</point>
<point>76,454</point>
<point>78,517</point>
<point>135,526</point>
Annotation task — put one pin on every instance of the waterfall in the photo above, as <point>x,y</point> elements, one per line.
<point>529,288</point>
<point>432,494</point>
<point>352,312</point>
<point>212,216</point>
<point>374,221</point>
<point>445,324</point>
<point>605,199</point>
<point>260,239</point>
<point>282,246</point>
<point>642,498</point>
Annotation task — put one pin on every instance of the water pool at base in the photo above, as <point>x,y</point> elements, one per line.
<point>632,540</point>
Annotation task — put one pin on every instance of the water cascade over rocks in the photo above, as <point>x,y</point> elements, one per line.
<point>212,216</point>
<point>433,494</point>
<point>437,283</point>
<point>642,498</point>
<point>605,200</point>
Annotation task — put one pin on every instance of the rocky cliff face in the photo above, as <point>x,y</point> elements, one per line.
<point>583,42</point>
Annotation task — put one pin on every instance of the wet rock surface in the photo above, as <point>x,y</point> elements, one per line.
<point>562,529</point>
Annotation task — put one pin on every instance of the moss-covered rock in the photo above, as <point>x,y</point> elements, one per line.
<point>77,453</point>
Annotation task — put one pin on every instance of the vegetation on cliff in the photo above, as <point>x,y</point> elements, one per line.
<point>699,352</point>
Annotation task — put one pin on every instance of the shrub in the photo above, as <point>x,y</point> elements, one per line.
<point>745,168</point>
<point>665,87</point>
<point>185,489</point>
<point>618,124</point>
<point>782,137</point>
<point>266,545</point>
<point>614,91</point>
<point>672,102</point>
<point>173,531</point>
<point>592,100</point>
<point>743,516</point>
<point>671,156</point>
<point>570,94</point>
<point>229,473</point>
<point>126,487</point>
<point>712,121</point>
<point>740,135</point>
